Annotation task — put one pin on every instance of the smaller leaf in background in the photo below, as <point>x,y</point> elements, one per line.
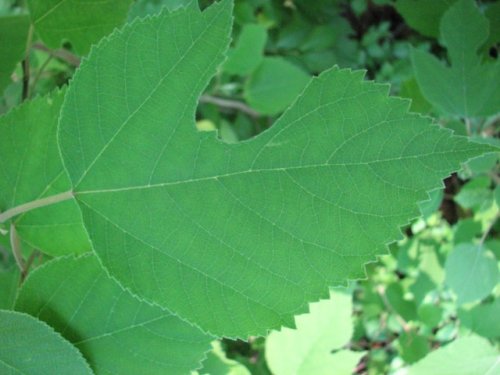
<point>423,15</point>
<point>469,87</point>
<point>497,195</point>
<point>430,314</point>
<point>32,169</point>
<point>410,90</point>
<point>82,23</point>
<point>413,347</point>
<point>471,355</point>
<point>308,349</point>
<point>396,299</point>
<point>247,54</point>
<point>9,281</point>
<point>274,85</point>
<point>429,207</point>
<point>482,319</point>
<point>475,193</point>
<point>493,15</point>
<point>116,332</point>
<point>217,363</point>
<point>430,262</point>
<point>466,230</point>
<point>30,346</point>
<point>471,272</point>
<point>13,39</point>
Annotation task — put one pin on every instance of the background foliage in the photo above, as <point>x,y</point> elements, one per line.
<point>431,306</point>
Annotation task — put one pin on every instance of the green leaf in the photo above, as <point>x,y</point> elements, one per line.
<point>423,15</point>
<point>82,23</point>
<point>248,52</point>
<point>395,296</point>
<point>29,346</point>
<point>274,85</point>
<point>308,349</point>
<point>31,169</point>
<point>482,319</point>
<point>472,272</point>
<point>115,332</point>
<point>430,314</point>
<point>237,231</point>
<point>475,193</point>
<point>469,355</point>
<point>410,90</point>
<point>13,39</point>
<point>467,88</point>
<point>413,347</point>
<point>493,15</point>
<point>217,363</point>
<point>9,281</point>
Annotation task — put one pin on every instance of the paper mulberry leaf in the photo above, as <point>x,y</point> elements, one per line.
<point>116,332</point>
<point>29,346</point>
<point>237,238</point>
<point>82,23</point>
<point>31,169</point>
<point>469,87</point>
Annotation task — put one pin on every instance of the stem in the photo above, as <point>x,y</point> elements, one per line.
<point>26,66</point>
<point>28,265</point>
<point>4,216</point>
<point>230,104</point>
<point>399,318</point>
<point>62,54</point>
<point>15,244</point>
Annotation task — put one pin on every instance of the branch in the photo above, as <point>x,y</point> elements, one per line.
<point>229,104</point>
<point>62,54</point>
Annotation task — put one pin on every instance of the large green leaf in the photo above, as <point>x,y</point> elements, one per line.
<point>470,355</point>
<point>31,347</point>
<point>13,39</point>
<point>117,333</point>
<point>308,349</point>
<point>468,87</point>
<point>244,235</point>
<point>30,169</point>
<point>82,23</point>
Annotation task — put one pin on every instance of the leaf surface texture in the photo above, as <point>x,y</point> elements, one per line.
<point>237,238</point>
<point>117,333</point>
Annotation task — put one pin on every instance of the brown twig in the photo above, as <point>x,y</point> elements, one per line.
<point>62,54</point>
<point>229,104</point>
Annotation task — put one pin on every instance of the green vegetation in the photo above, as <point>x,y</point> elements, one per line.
<point>232,187</point>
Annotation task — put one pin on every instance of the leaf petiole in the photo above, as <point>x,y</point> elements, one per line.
<point>53,199</point>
